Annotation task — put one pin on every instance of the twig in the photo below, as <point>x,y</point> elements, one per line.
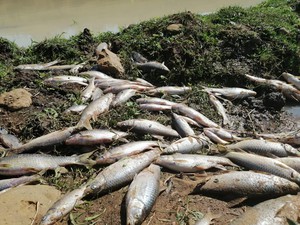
<point>36,213</point>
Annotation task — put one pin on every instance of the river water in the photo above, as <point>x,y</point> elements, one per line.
<point>23,21</point>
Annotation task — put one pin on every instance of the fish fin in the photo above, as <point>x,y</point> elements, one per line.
<point>123,140</point>
<point>220,167</point>
<point>198,167</point>
<point>85,124</point>
<point>236,201</point>
<point>270,155</point>
<point>60,170</point>
<point>84,159</point>
<point>158,137</point>
<point>5,165</point>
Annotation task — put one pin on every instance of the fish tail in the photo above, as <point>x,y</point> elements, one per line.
<point>86,124</point>
<point>84,159</point>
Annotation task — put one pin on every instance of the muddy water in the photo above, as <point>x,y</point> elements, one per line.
<point>24,21</point>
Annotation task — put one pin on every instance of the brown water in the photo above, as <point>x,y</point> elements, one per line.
<point>23,21</point>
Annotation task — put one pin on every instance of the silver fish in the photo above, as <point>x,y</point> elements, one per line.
<point>293,162</point>
<point>107,83</point>
<point>144,82</point>
<point>213,137</point>
<point>195,115</point>
<point>36,66</point>
<point>220,108</point>
<point>154,107</point>
<point>10,141</point>
<point>292,79</point>
<point>148,127</point>
<point>158,101</point>
<point>292,138</point>
<point>6,184</point>
<point>137,57</point>
<point>123,96</point>
<point>97,93</point>
<point>224,134</point>
<point>32,163</point>
<point>121,172</point>
<point>182,126</point>
<point>171,90</point>
<point>231,92</point>
<point>93,137</point>
<point>63,206</point>
<point>141,195</point>
<point>274,211</point>
<point>249,184</point>
<point>60,67</point>
<point>94,109</point>
<point>75,109</point>
<point>118,88</point>
<point>265,164</point>
<point>152,66</point>
<point>263,147</point>
<point>88,91</point>
<point>190,144</point>
<point>96,74</point>
<point>190,163</point>
<point>128,149</point>
<point>53,138</point>
<point>190,121</point>
<point>58,80</point>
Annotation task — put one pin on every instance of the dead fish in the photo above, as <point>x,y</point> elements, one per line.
<point>10,141</point>
<point>6,184</point>
<point>60,67</point>
<point>190,121</point>
<point>96,74</point>
<point>121,172</point>
<point>263,147</point>
<point>107,83</point>
<point>224,134</point>
<point>158,101</point>
<point>231,92</point>
<point>58,80</point>
<point>191,144</point>
<point>154,107</point>
<point>213,137</point>
<point>190,163</point>
<point>76,68</point>
<point>287,90</point>
<point>32,163</point>
<point>292,138</point>
<point>293,162</point>
<point>137,57</point>
<point>36,66</point>
<point>265,164</point>
<point>128,149</point>
<point>220,108</point>
<point>195,115</point>
<point>123,96</point>
<point>94,137</point>
<point>118,88</point>
<point>94,109</point>
<point>88,91</point>
<point>97,93</point>
<point>144,82</point>
<point>182,126</point>
<point>292,80</point>
<point>51,139</point>
<point>75,109</point>
<point>274,211</point>
<point>141,195</point>
<point>148,127</point>
<point>171,90</point>
<point>152,66</point>
<point>206,220</point>
<point>63,206</point>
<point>247,184</point>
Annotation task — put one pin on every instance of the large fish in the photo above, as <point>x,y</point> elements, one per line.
<point>263,147</point>
<point>224,134</point>
<point>154,107</point>
<point>152,66</point>
<point>142,194</point>
<point>121,172</point>
<point>191,144</point>
<point>182,126</point>
<point>158,101</point>
<point>96,74</point>
<point>247,184</point>
<point>94,109</point>
<point>145,126</point>
<point>128,149</point>
<point>265,164</point>
<point>93,137</point>
<point>32,163</point>
<point>192,162</point>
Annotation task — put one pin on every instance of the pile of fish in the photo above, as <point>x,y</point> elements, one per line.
<point>248,168</point>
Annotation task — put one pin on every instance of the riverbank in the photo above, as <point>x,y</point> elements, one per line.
<point>212,50</point>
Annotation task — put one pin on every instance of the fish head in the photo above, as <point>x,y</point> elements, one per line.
<point>135,212</point>
<point>50,217</point>
<point>291,150</point>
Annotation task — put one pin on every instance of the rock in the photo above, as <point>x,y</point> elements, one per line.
<point>22,205</point>
<point>175,27</point>
<point>110,63</point>
<point>16,99</point>
<point>274,100</point>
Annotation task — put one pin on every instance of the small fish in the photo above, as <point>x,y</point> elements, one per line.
<point>152,66</point>
<point>171,90</point>
<point>94,109</point>
<point>195,115</point>
<point>58,80</point>
<point>265,164</point>
<point>108,83</point>
<point>144,82</point>
<point>220,108</point>
<point>97,93</point>
<point>32,163</point>
<point>263,147</point>
<point>51,139</point>
<point>41,66</point>
<point>123,96</point>
<point>75,109</point>
<point>213,137</point>
<point>128,149</point>
<point>182,126</point>
<point>158,101</point>
<point>223,134</point>
<point>231,92</point>
<point>137,57</point>
<point>190,163</point>
<point>88,91</point>
<point>6,184</point>
<point>190,121</point>
<point>118,88</point>
<point>10,141</point>
<point>154,107</point>
<point>141,195</point>
<point>247,184</point>
<point>121,172</point>
<point>63,206</point>
<point>96,74</point>
<point>191,144</point>
<point>292,79</point>
<point>148,127</point>
<point>94,137</point>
